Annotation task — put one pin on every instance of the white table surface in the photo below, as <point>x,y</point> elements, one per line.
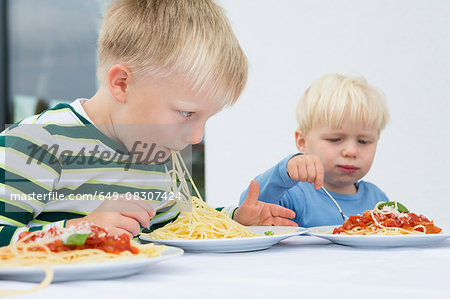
<point>299,267</point>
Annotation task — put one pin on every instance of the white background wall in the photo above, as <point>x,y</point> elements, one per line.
<point>402,47</point>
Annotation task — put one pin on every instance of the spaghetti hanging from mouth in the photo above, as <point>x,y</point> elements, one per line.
<point>198,220</point>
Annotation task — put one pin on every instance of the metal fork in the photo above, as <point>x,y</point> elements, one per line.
<point>335,202</point>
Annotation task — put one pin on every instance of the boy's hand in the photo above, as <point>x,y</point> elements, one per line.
<point>120,216</point>
<point>306,168</point>
<point>254,212</point>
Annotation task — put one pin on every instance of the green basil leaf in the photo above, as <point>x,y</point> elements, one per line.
<point>269,233</point>
<point>77,239</point>
<point>401,208</point>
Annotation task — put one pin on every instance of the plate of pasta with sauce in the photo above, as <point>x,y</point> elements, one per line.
<point>206,230</point>
<point>80,252</point>
<point>389,224</point>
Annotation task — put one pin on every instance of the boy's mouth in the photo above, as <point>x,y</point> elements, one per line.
<point>347,168</point>
<point>176,148</point>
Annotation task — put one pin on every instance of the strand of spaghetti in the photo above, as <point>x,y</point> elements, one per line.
<point>420,226</point>
<point>386,212</point>
<point>180,158</point>
<point>44,283</point>
<point>177,168</point>
<point>184,204</point>
<point>175,175</point>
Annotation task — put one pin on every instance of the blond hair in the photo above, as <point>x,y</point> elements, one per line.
<point>335,97</point>
<point>189,38</point>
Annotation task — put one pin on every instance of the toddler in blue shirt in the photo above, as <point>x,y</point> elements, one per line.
<point>340,119</point>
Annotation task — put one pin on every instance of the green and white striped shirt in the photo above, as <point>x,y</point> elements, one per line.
<point>58,166</point>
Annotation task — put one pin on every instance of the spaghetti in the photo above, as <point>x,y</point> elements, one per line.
<point>82,243</point>
<point>198,220</point>
<point>387,221</point>
<point>203,222</point>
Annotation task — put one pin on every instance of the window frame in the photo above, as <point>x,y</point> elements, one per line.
<point>4,65</point>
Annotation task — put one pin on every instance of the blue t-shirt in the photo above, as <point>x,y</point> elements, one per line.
<point>313,207</point>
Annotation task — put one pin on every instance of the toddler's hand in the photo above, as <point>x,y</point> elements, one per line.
<point>306,168</point>
<point>255,212</point>
<point>120,216</point>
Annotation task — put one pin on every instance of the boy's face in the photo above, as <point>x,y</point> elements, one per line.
<point>346,153</point>
<point>164,112</point>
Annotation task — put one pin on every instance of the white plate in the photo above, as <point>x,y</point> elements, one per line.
<point>234,244</point>
<point>376,241</point>
<point>87,271</point>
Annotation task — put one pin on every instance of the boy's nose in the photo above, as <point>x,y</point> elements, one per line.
<point>197,134</point>
<point>350,150</point>
<point>197,138</point>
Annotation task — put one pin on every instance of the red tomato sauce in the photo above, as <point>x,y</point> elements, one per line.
<point>407,221</point>
<point>99,239</point>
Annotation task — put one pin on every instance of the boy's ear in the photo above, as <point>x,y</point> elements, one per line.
<point>300,141</point>
<point>118,79</point>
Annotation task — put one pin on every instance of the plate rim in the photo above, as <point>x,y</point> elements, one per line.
<point>62,269</point>
<point>230,244</point>
<point>310,232</point>
<point>300,231</point>
<point>378,241</point>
